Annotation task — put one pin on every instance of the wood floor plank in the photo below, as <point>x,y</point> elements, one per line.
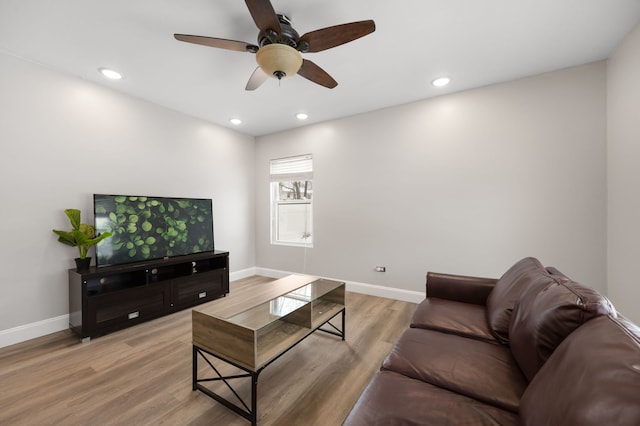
<point>142,375</point>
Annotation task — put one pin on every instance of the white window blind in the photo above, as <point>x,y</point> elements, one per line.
<point>292,168</point>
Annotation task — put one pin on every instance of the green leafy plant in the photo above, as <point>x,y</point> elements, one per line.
<point>82,235</point>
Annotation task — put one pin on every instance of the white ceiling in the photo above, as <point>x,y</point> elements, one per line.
<point>475,42</point>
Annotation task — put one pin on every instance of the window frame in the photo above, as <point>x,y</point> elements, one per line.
<point>290,169</point>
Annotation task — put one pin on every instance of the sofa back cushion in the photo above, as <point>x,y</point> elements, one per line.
<point>508,291</point>
<point>592,378</point>
<point>544,318</point>
<point>447,316</point>
<point>552,270</point>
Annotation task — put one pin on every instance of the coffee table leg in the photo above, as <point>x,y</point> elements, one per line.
<point>254,398</point>
<point>344,330</point>
<point>194,367</point>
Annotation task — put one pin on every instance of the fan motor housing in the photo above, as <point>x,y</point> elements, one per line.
<point>288,35</point>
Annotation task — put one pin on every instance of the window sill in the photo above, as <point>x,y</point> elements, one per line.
<point>291,244</point>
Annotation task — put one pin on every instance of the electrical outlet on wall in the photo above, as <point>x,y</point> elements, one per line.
<point>380,269</point>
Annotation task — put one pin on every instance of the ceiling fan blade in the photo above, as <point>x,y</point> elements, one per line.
<point>312,72</point>
<point>263,15</point>
<point>221,43</point>
<point>257,78</point>
<point>329,37</point>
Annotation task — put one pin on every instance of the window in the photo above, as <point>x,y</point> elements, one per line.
<point>291,194</point>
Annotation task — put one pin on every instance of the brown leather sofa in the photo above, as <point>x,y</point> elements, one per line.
<point>530,348</point>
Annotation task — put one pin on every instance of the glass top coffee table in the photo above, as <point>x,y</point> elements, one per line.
<point>253,333</point>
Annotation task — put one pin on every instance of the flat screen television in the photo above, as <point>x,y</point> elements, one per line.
<point>146,228</point>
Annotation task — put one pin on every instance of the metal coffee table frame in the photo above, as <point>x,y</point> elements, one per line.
<point>243,409</point>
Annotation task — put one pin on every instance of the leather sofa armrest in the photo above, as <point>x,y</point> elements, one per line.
<point>459,288</point>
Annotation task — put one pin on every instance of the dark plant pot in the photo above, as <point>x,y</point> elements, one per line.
<point>82,265</point>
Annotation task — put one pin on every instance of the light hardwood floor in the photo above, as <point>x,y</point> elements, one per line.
<point>142,375</point>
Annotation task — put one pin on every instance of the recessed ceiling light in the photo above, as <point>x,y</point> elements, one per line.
<point>236,121</point>
<point>440,82</point>
<point>302,116</point>
<point>110,74</point>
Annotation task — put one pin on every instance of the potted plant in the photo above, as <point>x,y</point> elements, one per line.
<point>82,235</point>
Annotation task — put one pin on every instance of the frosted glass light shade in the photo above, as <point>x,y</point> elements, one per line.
<point>279,60</point>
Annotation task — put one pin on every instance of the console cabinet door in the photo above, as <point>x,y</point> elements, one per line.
<point>120,309</point>
<point>198,288</point>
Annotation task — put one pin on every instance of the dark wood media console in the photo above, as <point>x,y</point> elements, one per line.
<point>102,300</point>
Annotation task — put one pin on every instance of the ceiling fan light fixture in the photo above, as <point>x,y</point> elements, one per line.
<point>279,60</point>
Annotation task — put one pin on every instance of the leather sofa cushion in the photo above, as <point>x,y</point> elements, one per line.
<point>508,291</point>
<point>391,399</point>
<point>448,316</point>
<point>480,370</point>
<point>557,274</point>
<point>592,378</point>
<point>544,318</point>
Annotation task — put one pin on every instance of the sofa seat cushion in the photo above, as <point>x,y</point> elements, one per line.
<point>448,316</point>
<point>507,292</point>
<point>592,378</point>
<point>391,399</point>
<point>480,370</point>
<point>543,319</point>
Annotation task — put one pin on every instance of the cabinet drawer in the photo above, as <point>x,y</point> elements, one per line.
<point>126,307</point>
<point>197,287</point>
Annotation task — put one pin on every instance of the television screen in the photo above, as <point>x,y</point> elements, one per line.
<point>147,228</point>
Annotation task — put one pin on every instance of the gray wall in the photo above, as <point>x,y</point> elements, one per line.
<point>466,183</point>
<point>624,176</point>
<point>64,139</point>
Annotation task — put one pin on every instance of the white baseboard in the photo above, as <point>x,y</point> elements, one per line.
<point>245,273</point>
<point>41,328</point>
<point>356,287</point>
<point>273,273</point>
<point>26,332</point>
<point>386,292</point>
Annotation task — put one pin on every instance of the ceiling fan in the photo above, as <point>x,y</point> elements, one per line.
<point>279,47</point>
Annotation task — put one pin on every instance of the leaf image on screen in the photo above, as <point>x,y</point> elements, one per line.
<point>151,227</point>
